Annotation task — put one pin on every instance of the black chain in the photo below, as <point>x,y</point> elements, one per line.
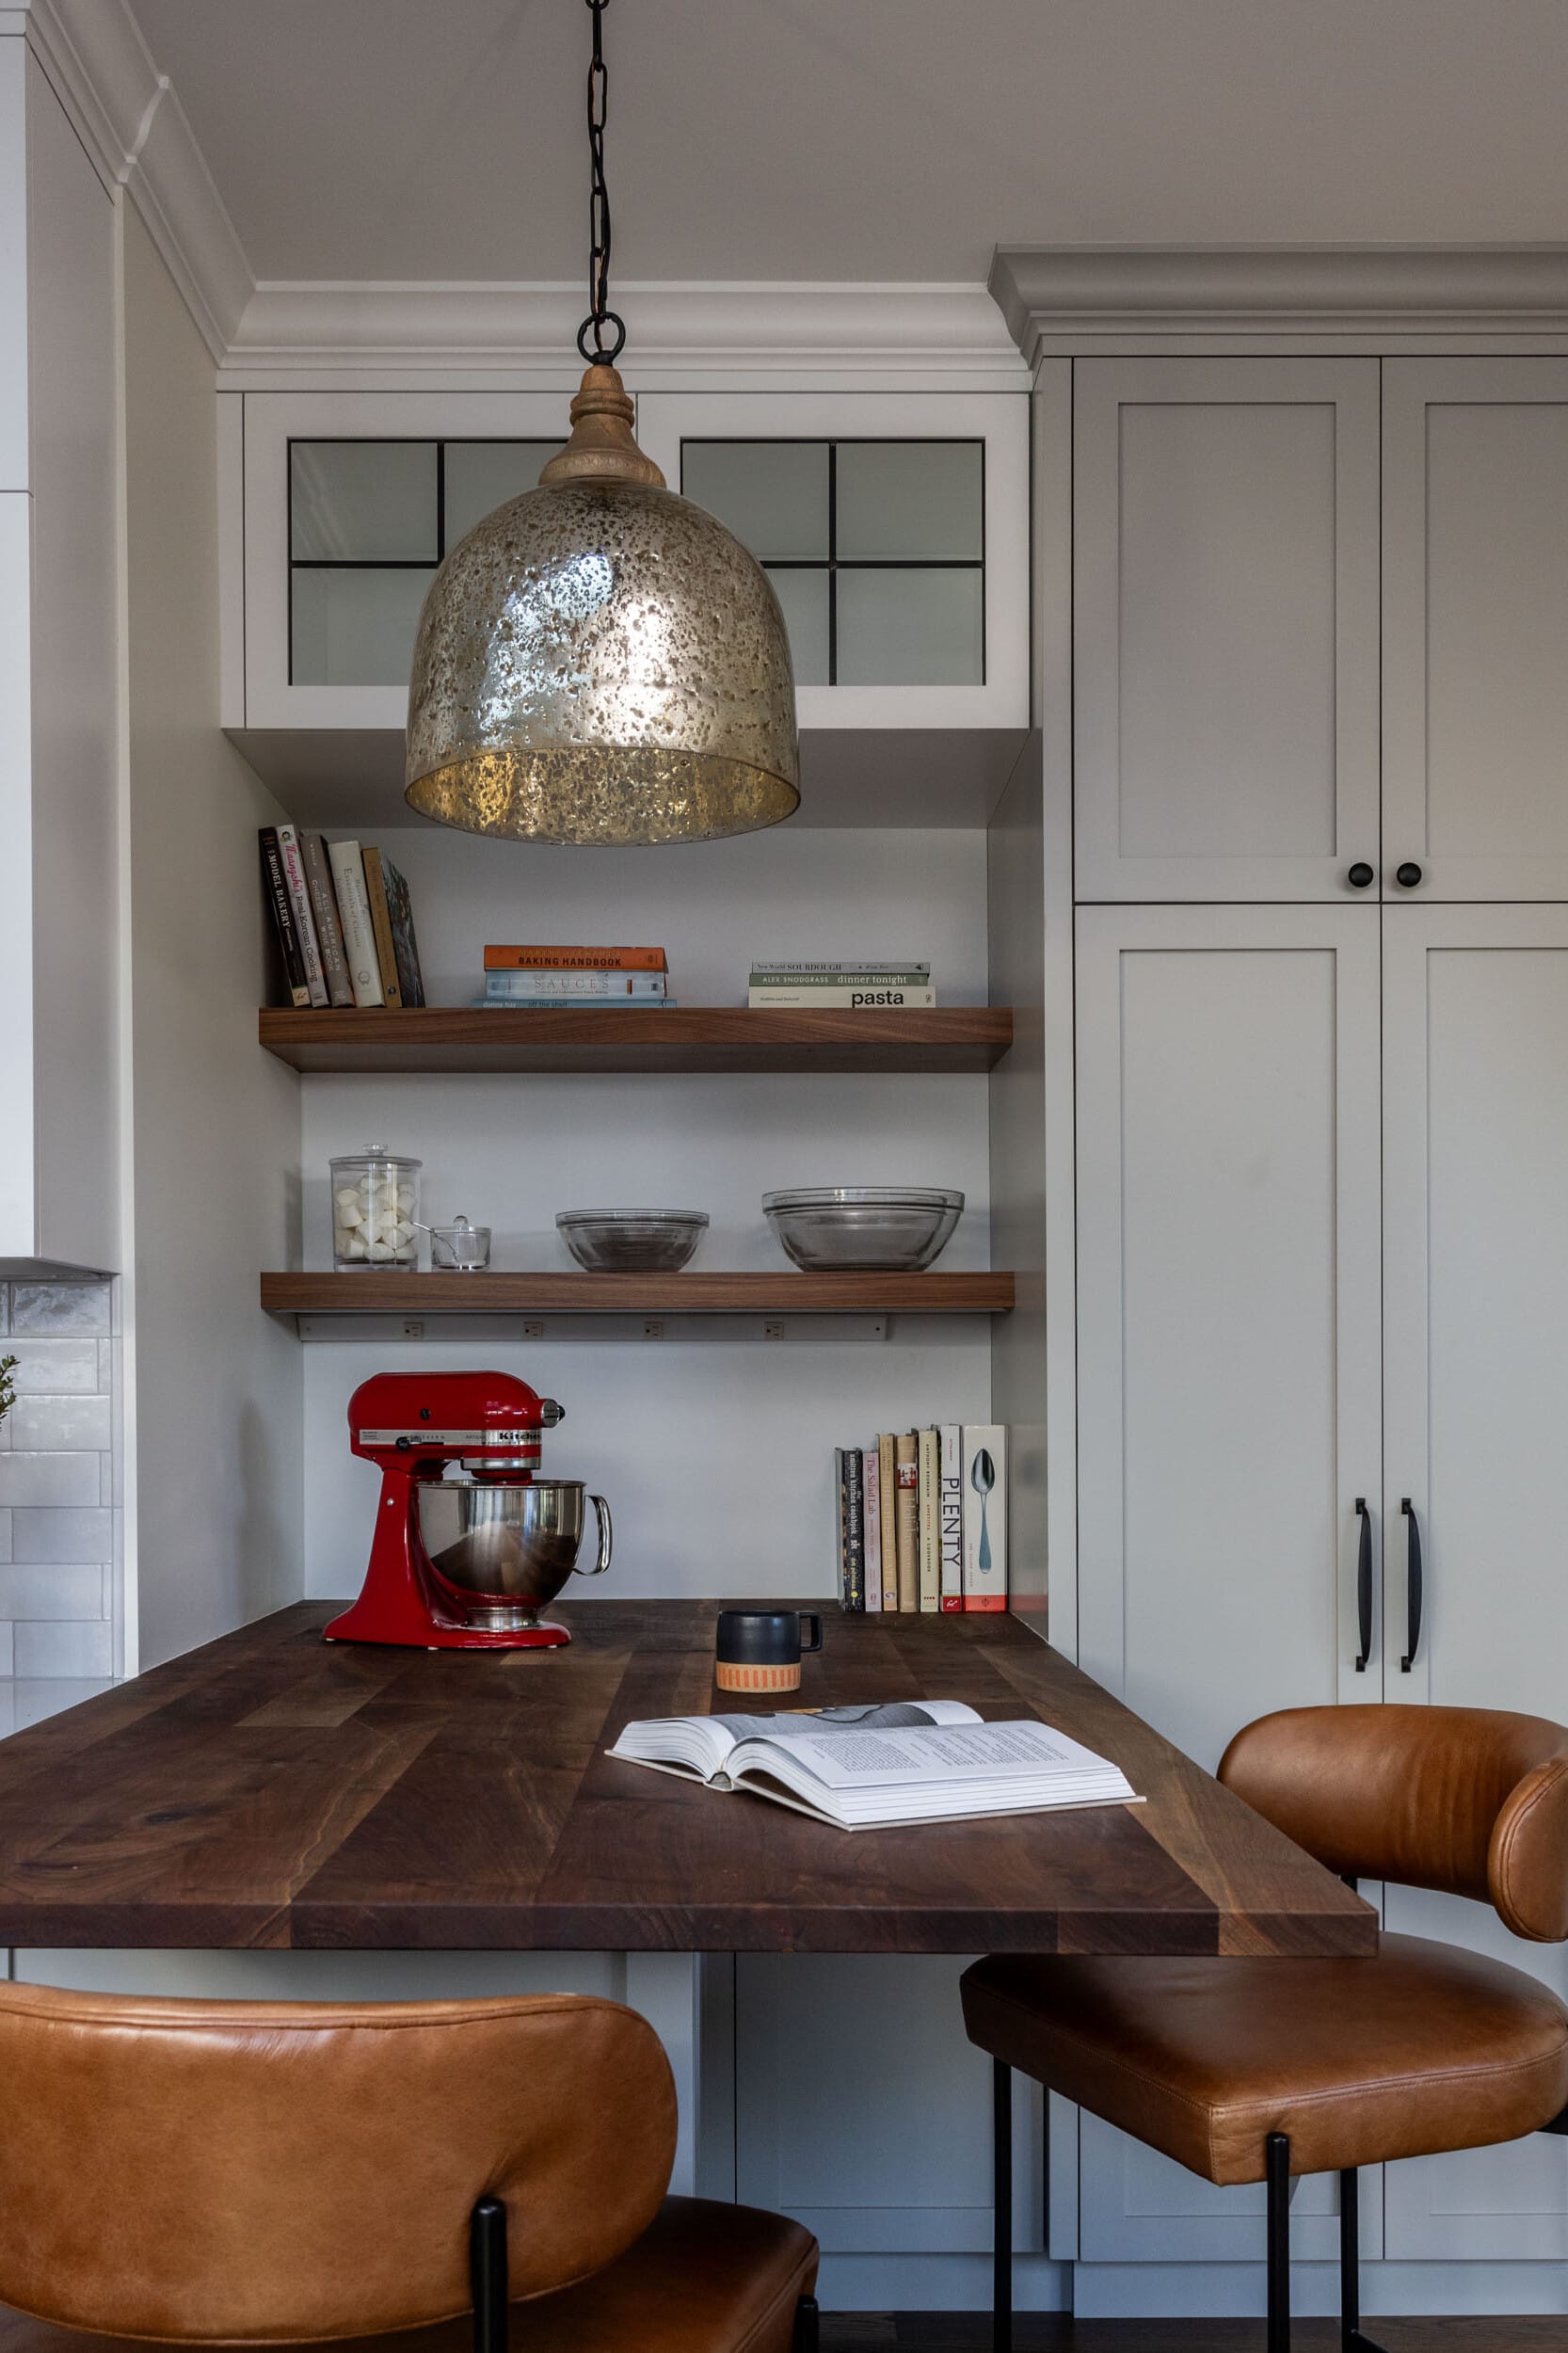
<point>599,313</point>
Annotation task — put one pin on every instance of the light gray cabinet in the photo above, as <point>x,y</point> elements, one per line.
<point>1323,1256</point>
<point>1476,1403</point>
<point>1474,604</point>
<point>1228,1403</point>
<point>1233,520</point>
<point>1225,621</point>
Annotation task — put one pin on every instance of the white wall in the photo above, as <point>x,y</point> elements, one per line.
<point>217,1386</point>
<point>716,1455</point>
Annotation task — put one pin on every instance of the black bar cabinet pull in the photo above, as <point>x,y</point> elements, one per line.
<point>1364,1587</point>
<point>1413,1582</point>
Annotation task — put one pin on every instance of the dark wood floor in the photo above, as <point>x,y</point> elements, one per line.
<point>968,2332</point>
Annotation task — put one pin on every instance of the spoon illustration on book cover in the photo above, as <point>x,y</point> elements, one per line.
<point>983,1477</point>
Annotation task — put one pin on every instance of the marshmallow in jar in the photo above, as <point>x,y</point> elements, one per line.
<point>375,1209</point>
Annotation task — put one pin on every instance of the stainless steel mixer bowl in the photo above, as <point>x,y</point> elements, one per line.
<point>510,1548</point>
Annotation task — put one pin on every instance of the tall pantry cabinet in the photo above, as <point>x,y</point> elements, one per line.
<point>1320,853</point>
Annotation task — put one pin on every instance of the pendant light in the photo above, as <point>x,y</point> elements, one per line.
<point>600,660</point>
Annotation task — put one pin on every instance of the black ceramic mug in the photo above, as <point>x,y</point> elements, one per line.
<point>758,1650</point>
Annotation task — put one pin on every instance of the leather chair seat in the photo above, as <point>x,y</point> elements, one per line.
<point>703,2277</point>
<point>1422,2049</point>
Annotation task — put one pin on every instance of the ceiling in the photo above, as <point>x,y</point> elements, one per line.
<point>861,139</point>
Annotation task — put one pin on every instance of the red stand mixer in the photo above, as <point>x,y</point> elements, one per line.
<point>463,1564</point>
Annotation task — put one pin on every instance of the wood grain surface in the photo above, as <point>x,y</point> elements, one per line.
<point>714,1038</point>
<point>787,1293</point>
<point>271,1789</point>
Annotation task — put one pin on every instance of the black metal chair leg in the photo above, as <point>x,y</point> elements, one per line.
<point>808,2336</point>
<point>487,2275</point>
<point>1350,2257</point>
<point>1351,2338</point>
<point>1001,2214</point>
<point>1277,2175</point>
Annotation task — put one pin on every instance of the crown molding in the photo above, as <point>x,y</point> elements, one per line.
<point>1377,296</point>
<point>524,336</point>
<point>130,120</point>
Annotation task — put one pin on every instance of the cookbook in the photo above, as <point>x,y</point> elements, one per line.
<point>876,1768</point>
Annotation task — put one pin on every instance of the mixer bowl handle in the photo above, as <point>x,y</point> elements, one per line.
<point>601,1512</point>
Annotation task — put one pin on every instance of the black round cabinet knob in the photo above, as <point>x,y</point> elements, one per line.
<point>1407,875</point>
<point>1360,875</point>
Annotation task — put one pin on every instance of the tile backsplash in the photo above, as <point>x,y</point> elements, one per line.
<point>61,1533</point>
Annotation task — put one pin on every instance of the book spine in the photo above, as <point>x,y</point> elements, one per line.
<point>837,964</point>
<point>538,981</point>
<point>840,1525</point>
<point>931,1521</point>
<point>410,981</point>
<point>844,1000</point>
<point>358,935</point>
<point>906,1476</point>
<point>984,1516</point>
<point>565,1004</point>
<point>380,925</point>
<point>275,883</point>
<point>855,1529</point>
<point>888,1483</point>
<point>850,978</point>
<point>323,907</point>
<point>951,1448</point>
<point>546,959</point>
<point>872,1523</point>
<point>300,906</point>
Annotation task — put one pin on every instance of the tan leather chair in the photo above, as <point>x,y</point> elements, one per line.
<point>277,2173</point>
<point>1245,2068</point>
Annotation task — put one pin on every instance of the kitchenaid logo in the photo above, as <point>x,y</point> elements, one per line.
<point>515,1441</point>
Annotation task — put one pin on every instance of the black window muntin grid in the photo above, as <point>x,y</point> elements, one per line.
<point>833,563</point>
<point>387,563</point>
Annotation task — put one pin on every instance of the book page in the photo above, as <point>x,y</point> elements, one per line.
<point>955,1755</point>
<point>702,1744</point>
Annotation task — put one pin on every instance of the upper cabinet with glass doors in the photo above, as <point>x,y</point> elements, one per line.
<point>894,528</point>
<point>350,501</point>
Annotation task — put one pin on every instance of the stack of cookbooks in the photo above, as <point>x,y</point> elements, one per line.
<point>342,918</point>
<point>923,1519</point>
<point>543,979</point>
<point>877,982</point>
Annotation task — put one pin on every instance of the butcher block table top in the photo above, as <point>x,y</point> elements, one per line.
<point>272,1790</point>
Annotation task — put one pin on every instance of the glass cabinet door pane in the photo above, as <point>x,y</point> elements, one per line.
<point>899,500</point>
<point>356,502</point>
<point>803,597</point>
<point>911,629</point>
<point>354,628</point>
<point>773,495</point>
<point>484,475</point>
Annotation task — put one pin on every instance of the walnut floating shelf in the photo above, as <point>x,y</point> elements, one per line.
<point>782,1294</point>
<point>683,1038</point>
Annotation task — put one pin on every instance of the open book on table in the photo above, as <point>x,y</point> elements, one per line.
<point>871,1767</point>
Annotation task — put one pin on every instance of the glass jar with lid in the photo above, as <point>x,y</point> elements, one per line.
<point>375,1209</point>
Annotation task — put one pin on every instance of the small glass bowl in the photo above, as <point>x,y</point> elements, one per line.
<point>459,1248</point>
<point>631,1241</point>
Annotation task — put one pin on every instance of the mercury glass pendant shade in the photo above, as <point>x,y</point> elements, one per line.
<point>599,661</point>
